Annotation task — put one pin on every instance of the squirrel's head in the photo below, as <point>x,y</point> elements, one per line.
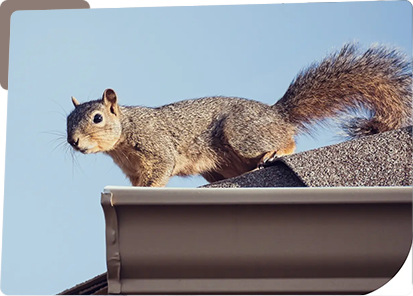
<point>95,126</point>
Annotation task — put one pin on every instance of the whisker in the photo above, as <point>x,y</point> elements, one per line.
<point>77,165</point>
<point>73,166</point>
<point>52,141</point>
<point>60,145</point>
<point>60,113</point>
<point>54,133</point>
<point>61,107</point>
<point>54,130</point>
<point>67,149</point>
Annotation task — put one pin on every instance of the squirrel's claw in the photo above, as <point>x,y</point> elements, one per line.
<point>268,159</point>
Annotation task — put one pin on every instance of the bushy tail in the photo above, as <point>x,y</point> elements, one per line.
<point>378,80</point>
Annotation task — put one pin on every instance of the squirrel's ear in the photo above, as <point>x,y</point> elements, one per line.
<point>110,99</point>
<point>75,102</point>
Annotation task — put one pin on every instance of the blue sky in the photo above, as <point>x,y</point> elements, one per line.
<point>53,229</point>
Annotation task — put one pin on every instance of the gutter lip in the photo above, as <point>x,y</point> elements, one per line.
<point>302,195</point>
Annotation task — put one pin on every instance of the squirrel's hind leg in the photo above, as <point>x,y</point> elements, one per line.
<point>271,156</point>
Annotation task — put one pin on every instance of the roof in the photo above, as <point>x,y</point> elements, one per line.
<point>95,286</point>
<point>379,160</point>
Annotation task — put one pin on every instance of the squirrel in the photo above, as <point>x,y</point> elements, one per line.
<point>223,137</point>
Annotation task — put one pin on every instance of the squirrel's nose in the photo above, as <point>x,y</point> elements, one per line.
<point>73,142</point>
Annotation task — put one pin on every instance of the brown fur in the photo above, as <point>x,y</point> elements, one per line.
<point>223,137</point>
<point>379,79</point>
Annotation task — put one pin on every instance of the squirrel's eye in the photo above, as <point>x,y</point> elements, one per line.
<point>98,118</point>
